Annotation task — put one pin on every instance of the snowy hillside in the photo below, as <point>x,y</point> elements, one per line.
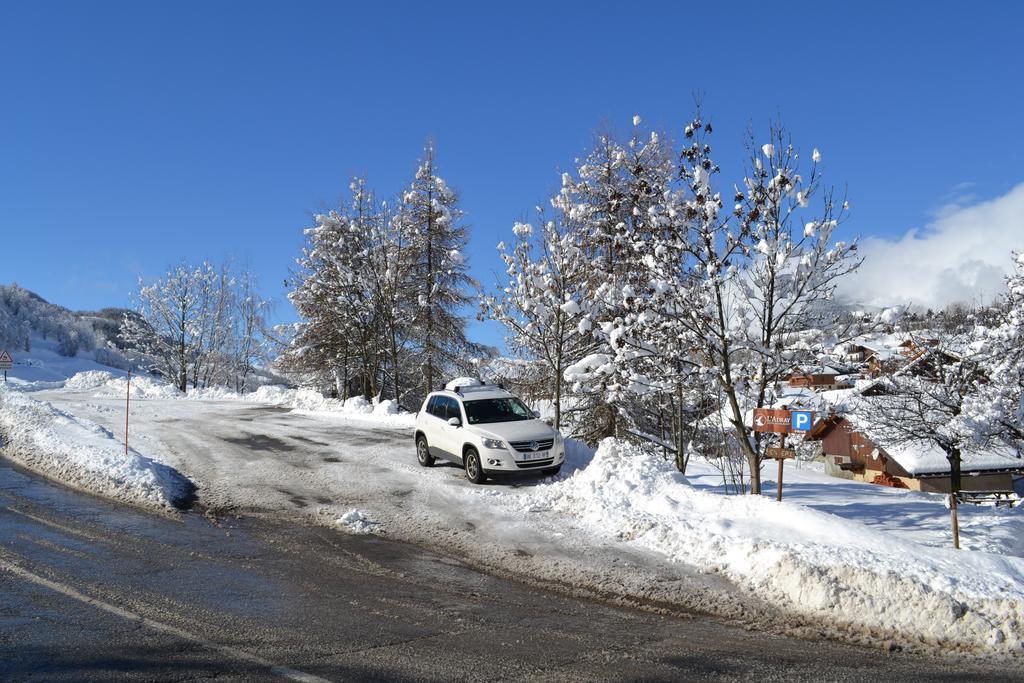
<point>44,366</point>
<point>26,318</point>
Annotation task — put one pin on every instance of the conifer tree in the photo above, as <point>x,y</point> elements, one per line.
<point>431,225</point>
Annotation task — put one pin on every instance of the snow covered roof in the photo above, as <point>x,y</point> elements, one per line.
<point>816,370</point>
<point>920,458</point>
<point>882,346</point>
<point>927,458</point>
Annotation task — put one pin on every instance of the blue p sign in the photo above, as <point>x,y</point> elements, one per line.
<point>800,420</point>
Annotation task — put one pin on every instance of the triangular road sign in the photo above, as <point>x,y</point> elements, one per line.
<point>5,357</point>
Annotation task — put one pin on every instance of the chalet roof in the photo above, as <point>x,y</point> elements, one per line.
<point>922,458</point>
<point>821,369</point>
<point>881,346</point>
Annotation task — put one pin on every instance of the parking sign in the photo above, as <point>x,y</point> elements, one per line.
<point>800,420</point>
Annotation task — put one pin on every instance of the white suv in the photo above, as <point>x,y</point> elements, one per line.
<point>486,430</point>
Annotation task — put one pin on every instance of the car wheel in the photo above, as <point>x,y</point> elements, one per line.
<point>474,470</point>
<point>552,471</point>
<point>422,452</point>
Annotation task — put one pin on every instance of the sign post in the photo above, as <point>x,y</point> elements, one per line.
<point>127,402</point>
<point>782,422</point>
<point>6,363</point>
<point>781,461</point>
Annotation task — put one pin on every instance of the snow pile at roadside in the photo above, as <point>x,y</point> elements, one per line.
<point>142,387</point>
<point>83,454</point>
<point>356,522</point>
<point>837,571</point>
<point>312,401</point>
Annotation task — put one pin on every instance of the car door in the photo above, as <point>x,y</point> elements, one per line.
<point>440,431</point>
<point>436,411</point>
<point>451,440</point>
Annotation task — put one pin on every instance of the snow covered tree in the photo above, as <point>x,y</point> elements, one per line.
<point>619,201</point>
<point>928,402</point>
<point>249,336</point>
<point>389,272</point>
<point>683,295</point>
<point>200,325</point>
<point>212,362</point>
<point>997,411</point>
<point>684,292</point>
<point>359,292</point>
<point>541,302</point>
<point>173,326</point>
<point>435,237</point>
<point>333,298</point>
<point>762,274</point>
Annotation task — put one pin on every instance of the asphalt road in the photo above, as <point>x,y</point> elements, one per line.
<point>90,590</point>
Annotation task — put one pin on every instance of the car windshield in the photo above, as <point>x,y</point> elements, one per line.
<point>496,410</point>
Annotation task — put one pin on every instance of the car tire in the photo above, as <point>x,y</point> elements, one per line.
<point>551,471</point>
<point>423,452</point>
<point>474,468</point>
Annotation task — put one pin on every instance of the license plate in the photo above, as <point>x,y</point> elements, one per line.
<point>539,455</point>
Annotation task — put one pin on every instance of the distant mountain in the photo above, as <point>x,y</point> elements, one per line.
<point>24,315</point>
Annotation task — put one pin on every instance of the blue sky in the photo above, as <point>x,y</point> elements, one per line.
<point>133,135</point>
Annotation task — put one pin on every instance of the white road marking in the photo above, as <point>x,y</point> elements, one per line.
<point>46,522</point>
<point>276,669</point>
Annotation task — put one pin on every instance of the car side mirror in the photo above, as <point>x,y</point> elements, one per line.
<point>536,414</point>
<point>454,422</point>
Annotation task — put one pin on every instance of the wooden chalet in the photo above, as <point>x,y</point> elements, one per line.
<point>856,353</point>
<point>911,349</point>
<point>852,455</point>
<point>817,377</point>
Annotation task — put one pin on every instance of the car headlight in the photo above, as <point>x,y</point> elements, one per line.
<point>496,444</point>
<point>558,438</point>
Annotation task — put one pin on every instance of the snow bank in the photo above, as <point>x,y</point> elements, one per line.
<point>387,407</point>
<point>312,401</point>
<point>107,383</point>
<point>90,379</point>
<point>836,571</point>
<point>83,454</point>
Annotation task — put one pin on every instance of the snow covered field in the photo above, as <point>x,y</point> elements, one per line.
<point>837,557</point>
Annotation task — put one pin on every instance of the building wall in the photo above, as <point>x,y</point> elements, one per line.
<point>981,482</point>
<point>842,441</point>
<point>814,381</point>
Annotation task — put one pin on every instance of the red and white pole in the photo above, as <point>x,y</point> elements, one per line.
<point>127,401</point>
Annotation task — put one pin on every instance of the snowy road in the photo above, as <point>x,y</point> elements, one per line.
<point>259,460</point>
<point>617,526</point>
<point>95,590</point>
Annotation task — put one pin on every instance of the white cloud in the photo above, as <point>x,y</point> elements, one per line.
<point>962,255</point>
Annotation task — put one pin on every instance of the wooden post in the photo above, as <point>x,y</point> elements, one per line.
<point>782,461</point>
<point>956,523</point>
<point>127,401</point>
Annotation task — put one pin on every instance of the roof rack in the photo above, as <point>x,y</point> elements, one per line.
<point>474,387</point>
